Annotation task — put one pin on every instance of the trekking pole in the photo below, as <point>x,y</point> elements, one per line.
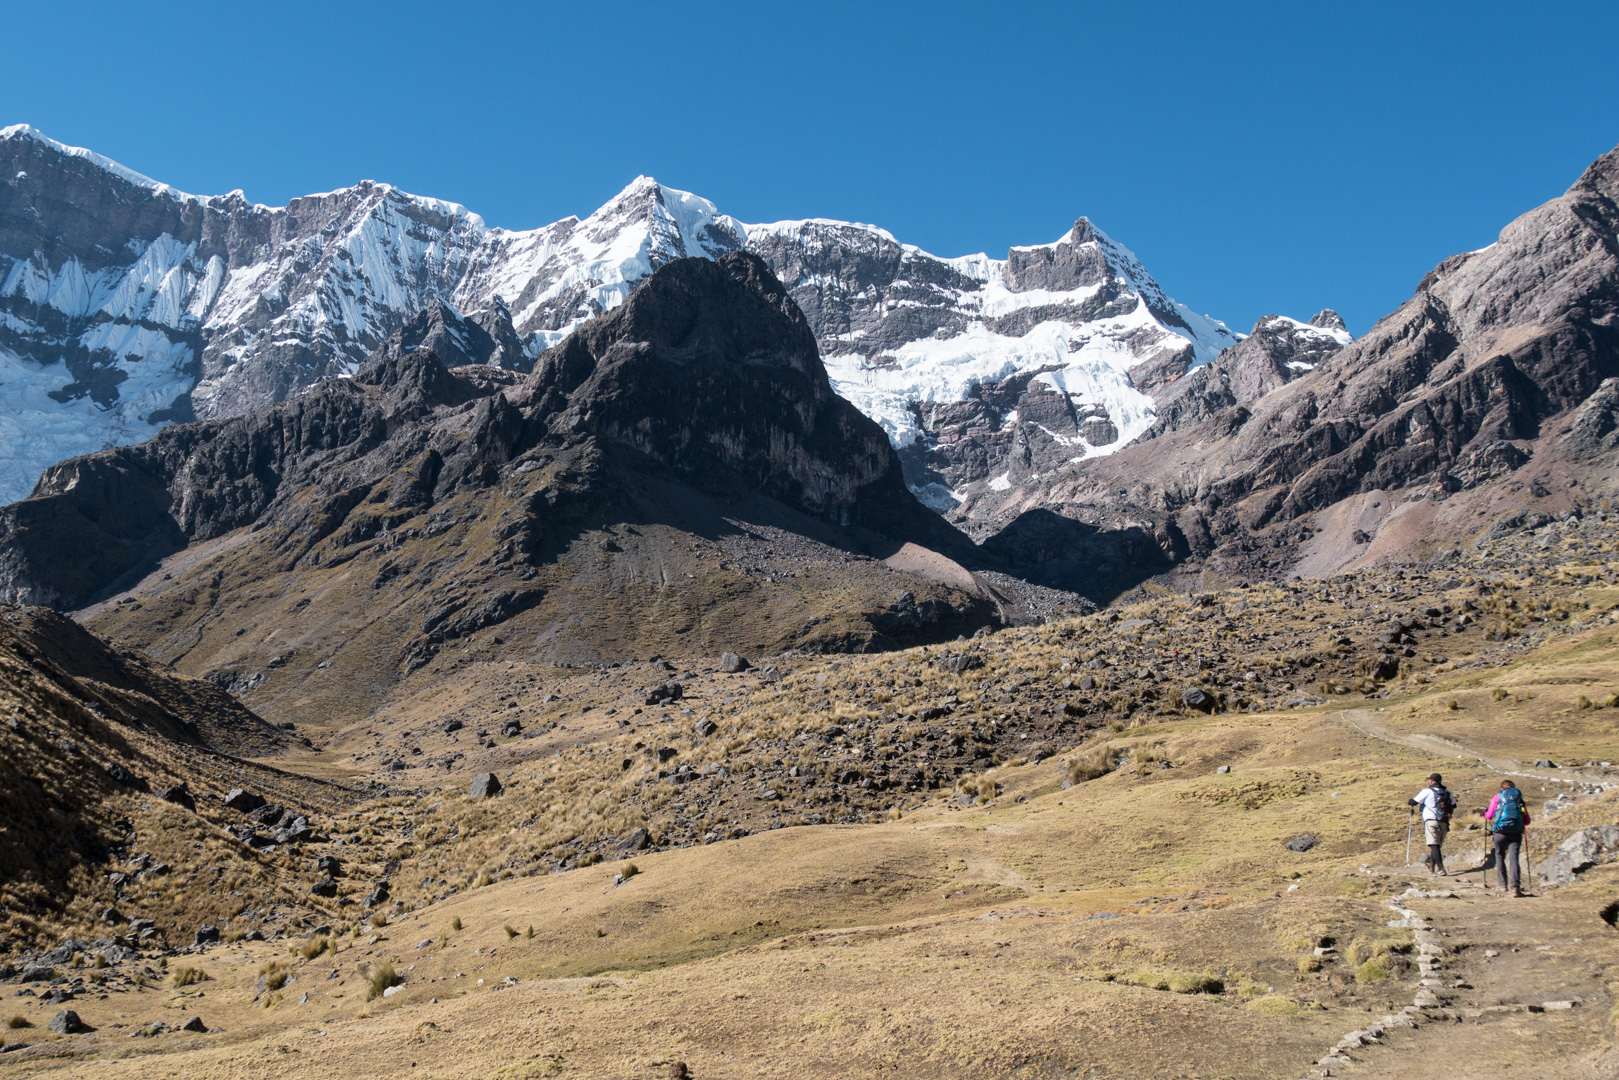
<point>1411,821</point>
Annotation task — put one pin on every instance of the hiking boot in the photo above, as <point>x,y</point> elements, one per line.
<point>1518,894</point>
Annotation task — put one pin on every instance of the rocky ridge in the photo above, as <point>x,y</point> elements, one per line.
<point>1489,391</point>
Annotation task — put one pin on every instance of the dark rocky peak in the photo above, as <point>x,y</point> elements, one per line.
<point>1073,262</point>
<point>1277,351</point>
<point>510,350</point>
<point>710,368</point>
<point>445,332</point>
<point>413,383</point>
<point>1328,319</point>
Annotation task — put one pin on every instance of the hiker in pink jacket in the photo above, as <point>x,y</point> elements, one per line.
<point>1506,819</point>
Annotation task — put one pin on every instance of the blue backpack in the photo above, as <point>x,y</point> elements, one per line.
<point>1509,813</point>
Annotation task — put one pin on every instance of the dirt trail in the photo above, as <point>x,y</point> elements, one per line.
<point>1514,986</point>
<point>1365,721</point>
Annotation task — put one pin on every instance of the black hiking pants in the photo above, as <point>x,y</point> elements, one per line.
<point>1507,846</point>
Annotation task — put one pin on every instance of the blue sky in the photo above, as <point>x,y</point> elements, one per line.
<point>1260,157</point>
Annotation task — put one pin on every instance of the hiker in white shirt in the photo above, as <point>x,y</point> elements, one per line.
<point>1437,804</point>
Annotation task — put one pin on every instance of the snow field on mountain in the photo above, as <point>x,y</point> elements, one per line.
<point>37,431</point>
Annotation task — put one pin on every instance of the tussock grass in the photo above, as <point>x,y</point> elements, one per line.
<point>378,977</point>
<point>1275,1005</point>
<point>274,975</point>
<point>316,945</point>
<point>1178,982</point>
<point>1090,764</point>
<point>188,976</point>
<point>17,1022</point>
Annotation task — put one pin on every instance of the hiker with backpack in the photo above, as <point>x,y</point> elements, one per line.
<point>1506,819</point>
<point>1438,804</point>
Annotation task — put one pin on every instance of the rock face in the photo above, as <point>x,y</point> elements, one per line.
<point>1495,373</point>
<point>130,305</point>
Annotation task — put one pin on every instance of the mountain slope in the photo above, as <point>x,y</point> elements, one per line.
<point>676,474</point>
<point>128,305</point>
<point>1489,392</point>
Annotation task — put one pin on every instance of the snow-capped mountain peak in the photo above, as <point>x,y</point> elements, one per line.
<point>126,304</point>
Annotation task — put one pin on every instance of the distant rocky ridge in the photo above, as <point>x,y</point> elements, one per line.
<point>1490,391</point>
<point>125,305</point>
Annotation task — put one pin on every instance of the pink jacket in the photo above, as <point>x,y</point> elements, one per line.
<point>1495,804</point>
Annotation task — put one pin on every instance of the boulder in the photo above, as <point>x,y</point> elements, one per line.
<point>194,1024</point>
<point>485,786</point>
<point>639,840</point>
<point>207,935</point>
<point>325,888</point>
<point>1578,853</point>
<point>959,664</point>
<point>452,725</point>
<point>1197,698</point>
<point>179,795</point>
<point>243,801</point>
<point>329,864</point>
<point>511,729</point>
<point>120,775</point>
<point>731,663</point>
<point>67,1022</point>
<point>268,814</point>
<point>1301,842</point>
<point>704,728</point>
<point>664,693</point>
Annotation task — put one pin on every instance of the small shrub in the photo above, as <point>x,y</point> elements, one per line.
<point>18,1021</point>
<point>455,923</point>
<point>630,870</point>
<point>1498,694</point>
<point>483,879</point>
<point>314,946</point>
<point>1453,705</point>
<point>600,932</point>
<point>511,931</point>
<point>1308,964</point>
<point>379,920</point>
<point>99,962</point>
<point>1583,702</point>
<point>188,976</point>
<point>273,975</point>
<point>529,933</point>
